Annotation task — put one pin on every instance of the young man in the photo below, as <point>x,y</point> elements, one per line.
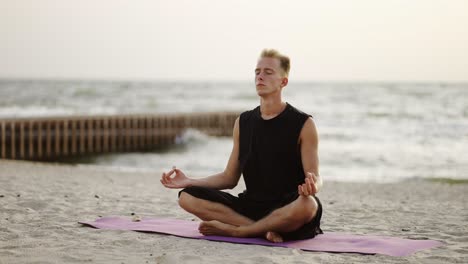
<point>276,150</point>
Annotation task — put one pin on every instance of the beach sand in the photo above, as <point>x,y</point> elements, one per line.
<point>41,204</point>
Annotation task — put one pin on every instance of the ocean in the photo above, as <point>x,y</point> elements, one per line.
<point>369,132</point>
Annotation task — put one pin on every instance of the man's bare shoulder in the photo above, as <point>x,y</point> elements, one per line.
<point>235,130</point>
<point>309,125</point>
<point>309,130</point>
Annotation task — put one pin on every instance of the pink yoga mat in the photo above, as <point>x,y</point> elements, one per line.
<point>328,242</point>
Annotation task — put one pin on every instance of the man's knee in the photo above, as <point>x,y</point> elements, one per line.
<point>202,208</point>
<point>304,209</point>
<point>187,201</point>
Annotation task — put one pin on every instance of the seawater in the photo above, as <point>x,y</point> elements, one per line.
<point>369,132</point>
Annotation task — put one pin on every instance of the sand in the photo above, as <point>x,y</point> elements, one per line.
<point>41,204</point>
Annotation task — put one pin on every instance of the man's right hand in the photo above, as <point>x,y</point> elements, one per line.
<point>309,187</point>
<point>179,180</point>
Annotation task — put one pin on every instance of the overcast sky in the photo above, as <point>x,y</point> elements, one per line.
<point>360,40</point>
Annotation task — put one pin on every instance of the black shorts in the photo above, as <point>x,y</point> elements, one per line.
<point>258,210</point>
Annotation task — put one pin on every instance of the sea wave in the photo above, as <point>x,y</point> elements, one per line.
<point>368,131</point>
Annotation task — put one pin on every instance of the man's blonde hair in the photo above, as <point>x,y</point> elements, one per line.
<point>285,63</point>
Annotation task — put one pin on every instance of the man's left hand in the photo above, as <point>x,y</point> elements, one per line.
<point>309,187</point>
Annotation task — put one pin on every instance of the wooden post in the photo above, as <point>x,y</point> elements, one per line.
<point>3,140</point>
<point>168,128</point>
<point>105,130</point>
<point>154,141</point>
<point>90,135</point>
<point>113,134</point>
<point>134,133</point>
<point>73,137</point>
<point>130,133</point>
<point>65,141</point>
<point>126,132</point>
<point>163,130</point>
<point>13,140</point>
<point>155,133</point>
<point>31,139</point>
<point>57,138</point>
<point>82,136</point>
<point>48,139</point>
<point>142,131</point>
<point>148,128</point>
<point>118,133</point>
<point>171,126</point>
<point>22,156</point>
<point>39,139</point>
<point>98,134</point>
<point>142,134</point>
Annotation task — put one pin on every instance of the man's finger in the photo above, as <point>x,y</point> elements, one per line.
<point>312,177</point>
<point>171,172</point>
<point>164,183</point>
<point>167,178</point>
<point>309,185</point>
<point>315,189</point>
<point>164,177</point>
<point>305,190</point>
<point>164,180</point>
<point>301,192</point>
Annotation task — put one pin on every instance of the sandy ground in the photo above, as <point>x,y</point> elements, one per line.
<point>40,205</point>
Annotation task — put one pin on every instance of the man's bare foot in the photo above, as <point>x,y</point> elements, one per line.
<point>274,237</point>
<point>216,228</point>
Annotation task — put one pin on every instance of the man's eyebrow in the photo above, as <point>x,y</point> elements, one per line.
<point>266,69</point>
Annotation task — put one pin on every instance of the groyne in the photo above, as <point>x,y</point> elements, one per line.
<point>49,138</point>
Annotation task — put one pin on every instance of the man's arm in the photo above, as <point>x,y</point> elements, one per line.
<point>227,179</point>
<point>308,141</point>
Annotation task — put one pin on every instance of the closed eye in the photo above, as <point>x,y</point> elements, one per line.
<point>267,71</point>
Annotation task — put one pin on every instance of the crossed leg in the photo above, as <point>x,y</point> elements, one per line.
<point>219,219</point>
<point>208,211</point>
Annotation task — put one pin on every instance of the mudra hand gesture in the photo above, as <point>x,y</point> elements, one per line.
<point>175,179</point>
<point>309,187</point>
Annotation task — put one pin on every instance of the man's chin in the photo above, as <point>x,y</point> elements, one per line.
<point>262,93</point>
<point>261,90</point>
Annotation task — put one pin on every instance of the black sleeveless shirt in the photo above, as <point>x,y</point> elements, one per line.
<point>269,153</point>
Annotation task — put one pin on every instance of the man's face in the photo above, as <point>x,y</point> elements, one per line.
<point>269,77</point>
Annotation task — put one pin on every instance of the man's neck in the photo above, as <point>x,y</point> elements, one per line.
<point>271,107</point>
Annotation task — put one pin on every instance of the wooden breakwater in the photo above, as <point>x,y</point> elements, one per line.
<point>50,138</point>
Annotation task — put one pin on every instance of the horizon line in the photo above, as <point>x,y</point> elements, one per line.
<point>173,80</point>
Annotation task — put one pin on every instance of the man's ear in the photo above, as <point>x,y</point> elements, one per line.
<point>284,82</point>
